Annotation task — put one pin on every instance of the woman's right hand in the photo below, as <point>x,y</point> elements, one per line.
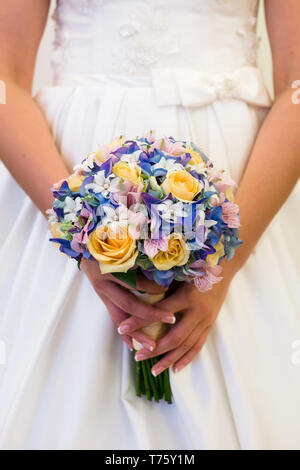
<point>122,304</point>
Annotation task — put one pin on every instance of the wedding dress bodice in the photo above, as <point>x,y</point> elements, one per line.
<point>178,44</point>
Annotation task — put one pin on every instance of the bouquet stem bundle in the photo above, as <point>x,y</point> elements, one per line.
<point>153,387</point>
<point>146,383</point>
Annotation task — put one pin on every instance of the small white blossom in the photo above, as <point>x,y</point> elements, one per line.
<point>200,219</point>
<point>71,208</point>
<point>87,164</point>
<point>112,215</point>
<point>200,168</point>
<point>52,217</point>
<point>170,211</point>
<point>131,158</point>
<point>103,185</point>
<point>168,164</point>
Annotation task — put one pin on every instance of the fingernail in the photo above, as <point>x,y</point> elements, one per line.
<point>148,346</point>
<point>139,356</point>
<point>169,319</point>
<point>123,329</point>
<point>157,371</point>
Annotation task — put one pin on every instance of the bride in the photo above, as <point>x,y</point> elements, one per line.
<point>185,68</point>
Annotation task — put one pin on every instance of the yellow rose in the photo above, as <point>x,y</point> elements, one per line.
<point>128,172</point>
<point>230,195</point>
<point>74,182</point>
<point>177,254</point>
<point>214,258</point>
<point>55,230</point>
<point>195,157</point>
<point>114,249</point>
<point>182,185</point>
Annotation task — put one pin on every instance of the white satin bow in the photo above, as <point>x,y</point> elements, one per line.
<point>190,87</point>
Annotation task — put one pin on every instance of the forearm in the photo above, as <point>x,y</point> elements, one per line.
<point>270,176</point>
<point>27,148</point>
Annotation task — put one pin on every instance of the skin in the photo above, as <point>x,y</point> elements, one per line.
<point>274,163</point>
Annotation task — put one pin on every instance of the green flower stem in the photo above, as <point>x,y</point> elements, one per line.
<point>147,387</point>
<point>167,386</point>
<point>146,384</point>
<point>138,379</point>
<point>161,386</point>
<point>159,382</point>
<point>152,380</point>
<point>143,391</point>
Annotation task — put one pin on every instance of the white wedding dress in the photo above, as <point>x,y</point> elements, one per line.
<point>185,68</point>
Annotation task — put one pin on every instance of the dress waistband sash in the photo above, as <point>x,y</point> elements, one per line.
<point>186,87</point>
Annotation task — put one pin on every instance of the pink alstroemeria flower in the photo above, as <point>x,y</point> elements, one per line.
<point>127,193</point>
<point>81,238</point>
<point>170,148</point>
<point>225,183</point>
<point>174,148</point>
<point>152,247</point>
<point>150,136</point>
<point>206,281</point>
<point>230,214</point>
<point>137,222</point>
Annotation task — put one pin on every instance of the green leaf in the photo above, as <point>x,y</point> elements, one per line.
<point>68,236</point>
<point>128,278</point>
<point>144,262</point>
<point>65,226</point>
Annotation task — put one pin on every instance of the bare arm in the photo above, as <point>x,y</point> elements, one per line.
<point>26,145</point>
<point>274,164</point>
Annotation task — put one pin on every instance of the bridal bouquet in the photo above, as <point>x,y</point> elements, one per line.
<point>154,205</point>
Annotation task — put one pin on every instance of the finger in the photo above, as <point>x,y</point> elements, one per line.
<point>132,305</point>
<point>144,340</point>
<point>192,353</point>
<point>131,325</point>
<point>170,358</point>
<point>145,285</point>
<point>175,337</point>
<point>177,301</point>
<point>117,317</point>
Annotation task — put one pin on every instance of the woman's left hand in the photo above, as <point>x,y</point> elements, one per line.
<point>186,338</point>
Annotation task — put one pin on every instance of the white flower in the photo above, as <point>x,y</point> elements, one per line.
<point>200,219</point>
<point>52,217</point>
<point>200,168</point>
<point>87,164</point>
<point>170,211</point>
<point>71,208</point>
<point>168,164</point>
<point>103,185</point>
<point>131,158</point>
<point>112,215</point>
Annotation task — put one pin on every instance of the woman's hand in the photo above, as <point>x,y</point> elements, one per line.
<point>186,338</point>
<point>121,303</point>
